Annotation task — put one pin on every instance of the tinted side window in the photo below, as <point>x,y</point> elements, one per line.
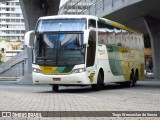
<point>107,34</point>
<point>91,50</point>
<point>92,23</point>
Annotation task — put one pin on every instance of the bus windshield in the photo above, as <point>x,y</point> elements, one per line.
<point>59,49</point>
<point>61,25</point>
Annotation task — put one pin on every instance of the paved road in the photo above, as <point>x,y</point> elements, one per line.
<point>144,97</point>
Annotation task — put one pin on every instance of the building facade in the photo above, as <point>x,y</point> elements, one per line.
<point>10,49</point>
<point>12,25</point>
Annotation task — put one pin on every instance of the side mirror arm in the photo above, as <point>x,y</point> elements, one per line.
<point>29,38</point>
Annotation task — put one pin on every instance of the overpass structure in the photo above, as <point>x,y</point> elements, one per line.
<point>33,9</point>
<point>142,15</point>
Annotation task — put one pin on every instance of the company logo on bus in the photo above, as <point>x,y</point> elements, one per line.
<point>127,54</point>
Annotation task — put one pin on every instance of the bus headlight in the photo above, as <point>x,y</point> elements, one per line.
<point>79,70</point>
<point>36,70</point>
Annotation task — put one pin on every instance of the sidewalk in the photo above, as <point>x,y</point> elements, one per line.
<point>9,80</point>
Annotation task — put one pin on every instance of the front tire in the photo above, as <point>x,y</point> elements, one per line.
<point>99,84</point>
<point>55,88</point>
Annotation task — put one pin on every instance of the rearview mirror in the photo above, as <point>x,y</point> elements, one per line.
<point>86,36</point>
<point>29,38</point>
<point>85,45</point>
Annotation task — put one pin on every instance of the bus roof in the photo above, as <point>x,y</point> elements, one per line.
<point>68,16</point>
<point>115,24</point>
<point>103,20</point>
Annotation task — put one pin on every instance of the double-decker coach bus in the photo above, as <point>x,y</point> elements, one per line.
<point>85,50</point>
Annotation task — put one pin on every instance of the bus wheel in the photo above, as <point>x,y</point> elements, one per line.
<point>136,78</point>
<point>132,80</point>
<point>55,88</point>
<point>99,84</point>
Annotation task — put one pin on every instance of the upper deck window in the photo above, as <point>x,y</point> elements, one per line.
<point>52,25</point>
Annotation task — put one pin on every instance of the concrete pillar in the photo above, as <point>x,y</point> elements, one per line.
<point>153,28</point>
<point>33,9</point>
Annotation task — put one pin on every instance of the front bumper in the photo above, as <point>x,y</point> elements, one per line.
<point>70,79</point>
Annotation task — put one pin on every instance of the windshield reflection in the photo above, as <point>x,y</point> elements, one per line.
<point>59,49</point>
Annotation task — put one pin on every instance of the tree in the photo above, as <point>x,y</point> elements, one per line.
<point>5,39</point>
<point>18,41</point>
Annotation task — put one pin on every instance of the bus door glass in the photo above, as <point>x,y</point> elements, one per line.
<point>91,49</point>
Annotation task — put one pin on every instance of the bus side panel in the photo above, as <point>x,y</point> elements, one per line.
<point>108,75</point>
<point>131,59</point>
<point>111,67</point>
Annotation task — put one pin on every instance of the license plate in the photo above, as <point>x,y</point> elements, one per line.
<point>56,79</point>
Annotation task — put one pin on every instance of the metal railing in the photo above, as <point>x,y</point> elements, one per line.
<point>81,6</point>
<point>77,6</point>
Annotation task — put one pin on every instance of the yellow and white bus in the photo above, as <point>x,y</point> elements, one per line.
<point>85,50</point>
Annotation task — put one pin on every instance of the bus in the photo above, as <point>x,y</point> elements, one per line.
<point>82,50</point>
